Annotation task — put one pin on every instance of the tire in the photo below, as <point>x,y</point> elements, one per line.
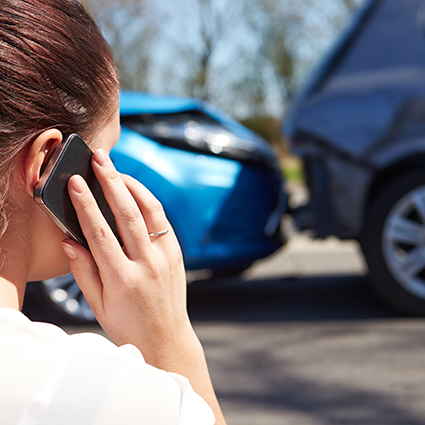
<point>393,243</point>
<point>62,301</point>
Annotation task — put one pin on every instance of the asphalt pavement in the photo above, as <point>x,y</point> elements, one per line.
<point>301,339</point>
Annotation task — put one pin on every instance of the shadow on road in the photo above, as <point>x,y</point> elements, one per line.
<point>268,300</point>
<point>331,363</point>
<point>286,299</point>
<point>306,351</point>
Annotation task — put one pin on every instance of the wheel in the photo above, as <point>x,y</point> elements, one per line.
<point>393,242</point>
<point>61,299</point>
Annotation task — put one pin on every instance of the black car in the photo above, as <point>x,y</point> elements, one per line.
<point>359,125</point>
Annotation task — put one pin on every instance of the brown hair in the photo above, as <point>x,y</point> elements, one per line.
<point>56,71</point>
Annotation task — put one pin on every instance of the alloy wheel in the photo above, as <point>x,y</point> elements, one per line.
<point>67,297</point>
<point>403,241</point>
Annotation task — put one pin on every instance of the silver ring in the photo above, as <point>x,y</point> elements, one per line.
<point>159,233</point>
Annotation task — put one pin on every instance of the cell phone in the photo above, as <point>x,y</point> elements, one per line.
<point>70,157</point>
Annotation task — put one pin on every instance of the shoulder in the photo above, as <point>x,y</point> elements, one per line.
<point>109,384</point>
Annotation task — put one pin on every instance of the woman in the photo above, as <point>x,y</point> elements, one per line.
<point>57,77</point>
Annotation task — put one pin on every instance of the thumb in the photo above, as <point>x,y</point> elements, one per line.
<point>85,272</point>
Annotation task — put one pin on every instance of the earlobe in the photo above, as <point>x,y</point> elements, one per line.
<point>37,156</point>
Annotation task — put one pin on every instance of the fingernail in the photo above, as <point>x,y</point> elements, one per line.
<point>77,183</point>
<point>70,252</point>
<point>101,157</point>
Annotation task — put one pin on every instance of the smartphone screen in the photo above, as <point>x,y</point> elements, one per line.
<point>71,157</point>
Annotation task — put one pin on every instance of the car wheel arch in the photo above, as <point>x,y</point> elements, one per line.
<point>385,176</point>
<point>393,242</point>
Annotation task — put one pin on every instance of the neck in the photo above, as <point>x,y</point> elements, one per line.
<point>11,295</point>
<point>14,261</point>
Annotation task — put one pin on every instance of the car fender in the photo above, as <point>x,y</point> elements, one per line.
<point>184,182</point>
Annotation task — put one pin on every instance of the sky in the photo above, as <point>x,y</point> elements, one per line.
<point>177,28</point>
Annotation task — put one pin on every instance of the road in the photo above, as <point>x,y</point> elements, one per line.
<point>300,339</point>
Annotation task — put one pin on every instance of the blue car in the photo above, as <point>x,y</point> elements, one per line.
<point>220,185</point>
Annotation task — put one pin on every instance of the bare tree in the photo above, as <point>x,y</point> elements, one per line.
<point>246,56</point>
<point>130,30</point>
<point>351,5</point>
<point>281,57</point>
<point>249,90</point>
<point>199,30</point>
<point>275,25</point>
<point>336,13</point>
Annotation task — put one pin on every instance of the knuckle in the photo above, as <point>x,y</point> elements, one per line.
<point>87,204</point>
<point>112,177</point>
<point>130,214</point>
<point>176,256</point>
<point>155,272</point>
<point>128,180</point>
<point>98,235</point>
<point>153,268</point>
<point>154,207</point>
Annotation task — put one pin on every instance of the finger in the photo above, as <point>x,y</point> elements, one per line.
<point>128,217</point>
<point>151,209</point>
<point>86,274</point>
<point>103,244</point>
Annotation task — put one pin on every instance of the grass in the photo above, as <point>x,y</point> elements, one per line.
<point>292,169</point>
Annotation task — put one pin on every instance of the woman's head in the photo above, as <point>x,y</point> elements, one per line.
<point>56,71</point>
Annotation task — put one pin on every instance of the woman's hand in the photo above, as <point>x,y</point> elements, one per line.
<point>138,292</point>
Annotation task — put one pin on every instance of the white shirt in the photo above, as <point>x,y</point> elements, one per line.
<point>50,378</point>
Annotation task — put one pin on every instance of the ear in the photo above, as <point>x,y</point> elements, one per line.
<point>38,155</point>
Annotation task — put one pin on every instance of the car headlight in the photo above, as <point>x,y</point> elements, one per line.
<point>200,133</point>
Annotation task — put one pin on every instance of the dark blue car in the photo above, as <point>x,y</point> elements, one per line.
<point>359,125</point>
<point>220,185</point>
